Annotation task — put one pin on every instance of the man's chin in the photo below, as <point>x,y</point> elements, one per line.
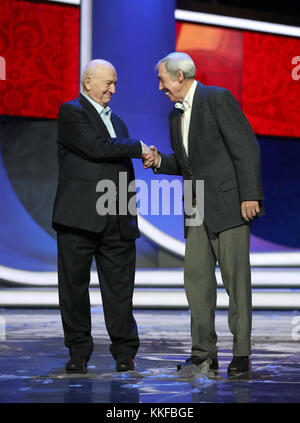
<point>107,100</point>
<point>171,98</point>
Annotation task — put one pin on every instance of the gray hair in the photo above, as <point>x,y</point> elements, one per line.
<point>91,66</point>
<point>178,61</point>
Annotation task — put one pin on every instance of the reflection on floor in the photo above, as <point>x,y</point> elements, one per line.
<point>32,359</point>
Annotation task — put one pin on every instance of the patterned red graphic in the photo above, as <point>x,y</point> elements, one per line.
<point>270,95</point>
<point>257,68</point>
<point>40,45</point>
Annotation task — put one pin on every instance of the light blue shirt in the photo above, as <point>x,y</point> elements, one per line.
<point>105,114</point>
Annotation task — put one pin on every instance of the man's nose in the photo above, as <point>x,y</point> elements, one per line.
<point>113,88</point>
<point>160,86</point>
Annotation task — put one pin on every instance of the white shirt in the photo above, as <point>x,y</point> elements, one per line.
<point>186,106</point>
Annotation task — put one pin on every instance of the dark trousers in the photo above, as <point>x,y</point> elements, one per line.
<point>115,260</point>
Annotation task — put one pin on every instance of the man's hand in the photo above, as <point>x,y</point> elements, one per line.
<point>249,210</point>
<point>147,157</point>
<point>155,156</point>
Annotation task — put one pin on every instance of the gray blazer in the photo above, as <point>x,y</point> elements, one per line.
<point>223,151</point>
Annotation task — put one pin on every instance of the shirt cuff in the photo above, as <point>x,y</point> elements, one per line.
<point>143,148</point>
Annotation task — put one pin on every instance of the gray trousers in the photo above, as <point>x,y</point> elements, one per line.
<point>231,249</point>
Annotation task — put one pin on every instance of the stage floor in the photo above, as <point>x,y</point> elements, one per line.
<point>33,356</point>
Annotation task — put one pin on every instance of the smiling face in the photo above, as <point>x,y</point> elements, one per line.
<point>100,83</point>
<point>172,87</point>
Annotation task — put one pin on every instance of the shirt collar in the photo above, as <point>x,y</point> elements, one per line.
<point>97,106</point>
<point>188,100</point>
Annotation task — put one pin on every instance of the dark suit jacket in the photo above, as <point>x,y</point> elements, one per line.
<point>223,152</point>
<point>87,154</point>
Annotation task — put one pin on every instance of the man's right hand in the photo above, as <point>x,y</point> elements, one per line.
<point>147,156</point>
<point>156,158</point>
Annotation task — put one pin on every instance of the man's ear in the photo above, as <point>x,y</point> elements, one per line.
<point>180,76</point>
<point>87,83</point>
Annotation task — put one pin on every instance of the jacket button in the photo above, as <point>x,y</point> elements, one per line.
<point>191,173</point>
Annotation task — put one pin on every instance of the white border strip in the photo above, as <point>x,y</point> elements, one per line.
<point>74,2</point>
<point>239,23</point>
<point>148,298</point>
<point>158,277</point>
<point>271,278</point>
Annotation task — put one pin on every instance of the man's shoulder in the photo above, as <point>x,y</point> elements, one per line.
<point>212,95</point>
<point>72,103</point>
<point>210,90</point>
<point>70,107</point>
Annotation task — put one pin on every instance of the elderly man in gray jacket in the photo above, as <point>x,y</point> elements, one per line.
<point>213,141</point>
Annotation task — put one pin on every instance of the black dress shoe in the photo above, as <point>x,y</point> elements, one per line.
<point>76,365</point>
<point>239,365</point>
<point>124,364</point>
<point>213,365</point>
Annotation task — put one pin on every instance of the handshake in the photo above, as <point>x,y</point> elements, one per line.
<point>150,156</point>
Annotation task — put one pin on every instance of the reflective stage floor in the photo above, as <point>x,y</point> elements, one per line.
<point>33,356</point>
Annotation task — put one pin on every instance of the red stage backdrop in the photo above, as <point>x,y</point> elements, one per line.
<point>40,45</point>
<point>255,67</point>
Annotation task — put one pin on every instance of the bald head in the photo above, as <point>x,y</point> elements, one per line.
<point>95,66</point>
<point>98,80</point>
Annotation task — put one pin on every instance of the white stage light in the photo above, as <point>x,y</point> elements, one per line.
<point>238,23</point>
<point>150,298</point>
<point>73,2</point>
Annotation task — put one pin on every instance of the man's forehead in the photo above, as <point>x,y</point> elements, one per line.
<point>161,70</point>
<point>106,72</point>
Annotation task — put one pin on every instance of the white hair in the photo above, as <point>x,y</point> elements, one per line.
<point>178,61</point>
<point>92,66</point>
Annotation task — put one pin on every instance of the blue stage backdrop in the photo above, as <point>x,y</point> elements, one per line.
<point>280,159</point>
<point>134,36</point>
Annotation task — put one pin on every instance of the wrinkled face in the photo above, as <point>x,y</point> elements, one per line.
<point>171,87</point>
<point>100,84</point>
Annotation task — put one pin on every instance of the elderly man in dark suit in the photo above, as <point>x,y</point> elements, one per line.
<point>94,146</point>
<point>213,141</point>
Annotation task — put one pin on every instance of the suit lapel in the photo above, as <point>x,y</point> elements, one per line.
<point>178,143</point>
<point>194,122</point>
<point>116,124</point>
<point>94,115</point>
<point>193,129</point>
<point>120,132</point>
